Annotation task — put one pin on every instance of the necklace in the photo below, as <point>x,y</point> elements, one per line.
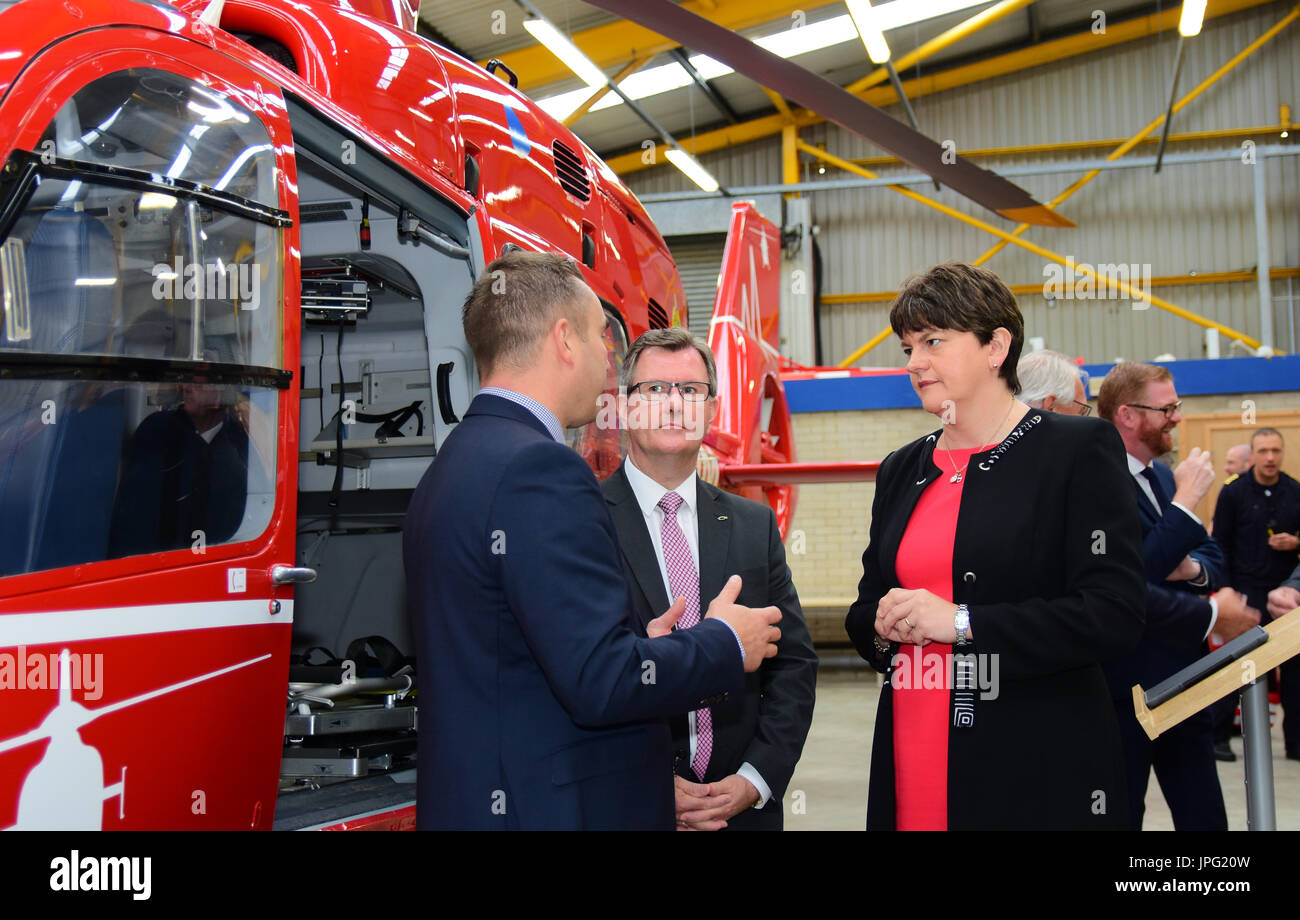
<point>958,473</point>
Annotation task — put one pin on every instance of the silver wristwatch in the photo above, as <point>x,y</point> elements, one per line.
<point>961,622</point>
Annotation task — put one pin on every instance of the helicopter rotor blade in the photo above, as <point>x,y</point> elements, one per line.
<point>835,104</point>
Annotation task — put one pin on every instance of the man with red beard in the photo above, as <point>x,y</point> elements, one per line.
<point>1182,563</point>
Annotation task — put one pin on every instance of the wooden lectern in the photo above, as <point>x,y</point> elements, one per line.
<point>1242,664</point>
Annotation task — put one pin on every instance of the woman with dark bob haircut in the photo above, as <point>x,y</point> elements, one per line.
<point>1004,564</point>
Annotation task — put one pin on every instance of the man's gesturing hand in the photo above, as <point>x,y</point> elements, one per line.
<point>1235,616</point>
<point>1193,478</point>
<point>756,627</point>
<point>663,624</point>
<point>1282,601</point>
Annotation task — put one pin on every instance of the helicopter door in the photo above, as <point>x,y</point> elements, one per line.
<point>147,437</point>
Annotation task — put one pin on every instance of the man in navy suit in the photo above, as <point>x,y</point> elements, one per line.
<point>1182,562</point>
<point>542,705</point>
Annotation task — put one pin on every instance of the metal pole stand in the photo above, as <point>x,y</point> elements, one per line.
<point>1256,737</point>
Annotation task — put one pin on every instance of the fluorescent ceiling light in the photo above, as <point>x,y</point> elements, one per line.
<point>786,44</point>
<point>812,37</point>
<point>708,68</point>
<point>566,51</point>
<point>1189,24</point>
<point>95,282</point>
<point>562,105</point>
<point>694,171</point>
<point>649,83</point>
<point>865,21</point>
<point>156,200</point>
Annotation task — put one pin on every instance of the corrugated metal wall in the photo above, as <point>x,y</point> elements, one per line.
<point>1193,218</point>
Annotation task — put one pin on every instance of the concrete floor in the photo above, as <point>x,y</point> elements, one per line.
<point>829,788</point>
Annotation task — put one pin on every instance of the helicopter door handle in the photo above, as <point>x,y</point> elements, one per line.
<point>291,575</point>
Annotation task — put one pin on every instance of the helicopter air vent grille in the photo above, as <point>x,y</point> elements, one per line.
<point>658,315</point>
<point>570,171</point>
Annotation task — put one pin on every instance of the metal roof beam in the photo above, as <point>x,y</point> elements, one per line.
<point>715,98</point>
<point>1012,62</point>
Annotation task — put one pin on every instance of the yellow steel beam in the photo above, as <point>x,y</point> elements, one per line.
<point>778,101</point>
<point>789,156</point>
<point>630,67</point>
<point>1001,65</point>
<point>1122,286</point>
<point>1100,143</point>
<point>613,42</point>
<point>1035,287</point>
<point>940,42</point>
<point>1154,124</point>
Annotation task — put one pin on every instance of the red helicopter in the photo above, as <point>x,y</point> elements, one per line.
<point>234,243</point>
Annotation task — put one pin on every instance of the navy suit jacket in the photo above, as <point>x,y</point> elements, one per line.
<point>542,704</point>
<point>1168,537</point>
<point>1177,619</point>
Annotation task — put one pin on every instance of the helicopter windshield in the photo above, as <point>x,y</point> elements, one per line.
<point>141,287</point>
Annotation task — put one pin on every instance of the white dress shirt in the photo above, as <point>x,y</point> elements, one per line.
<point>648,493</point>
<point>1135,467</point>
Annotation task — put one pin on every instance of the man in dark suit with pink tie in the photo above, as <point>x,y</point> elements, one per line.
<point>682,537</point>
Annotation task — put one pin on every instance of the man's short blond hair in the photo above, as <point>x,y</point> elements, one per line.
<point>516,301</point>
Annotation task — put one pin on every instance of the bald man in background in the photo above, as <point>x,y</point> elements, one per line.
<point>1236,461</point>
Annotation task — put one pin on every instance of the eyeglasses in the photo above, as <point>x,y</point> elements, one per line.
<point>1168,410</point>
<point>659,390</point>
<point>1084,409</point>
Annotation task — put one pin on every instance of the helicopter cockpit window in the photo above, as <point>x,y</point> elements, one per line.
<point>147,229</point>
<point>163,123</point>
<point>140,326</point>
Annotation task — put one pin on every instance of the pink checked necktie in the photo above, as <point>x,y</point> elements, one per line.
<point>685,582</point>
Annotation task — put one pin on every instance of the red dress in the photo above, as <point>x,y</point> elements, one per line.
<point>921,705</point>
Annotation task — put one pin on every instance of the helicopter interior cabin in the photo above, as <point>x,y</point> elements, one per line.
<point>385,375</point>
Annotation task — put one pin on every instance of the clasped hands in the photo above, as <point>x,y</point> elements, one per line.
<point>708,806</point>
<point>915,616</point>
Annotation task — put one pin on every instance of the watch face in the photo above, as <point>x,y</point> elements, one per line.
<point>962,621</point>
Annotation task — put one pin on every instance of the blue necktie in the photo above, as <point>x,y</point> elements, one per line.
<point>1162,500</point>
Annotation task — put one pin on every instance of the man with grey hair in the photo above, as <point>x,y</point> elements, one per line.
<point>1050,381</point>
<point>681,536</point>
<point>542,700</point>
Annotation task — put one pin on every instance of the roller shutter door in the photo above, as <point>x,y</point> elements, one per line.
<point>698,260</point>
